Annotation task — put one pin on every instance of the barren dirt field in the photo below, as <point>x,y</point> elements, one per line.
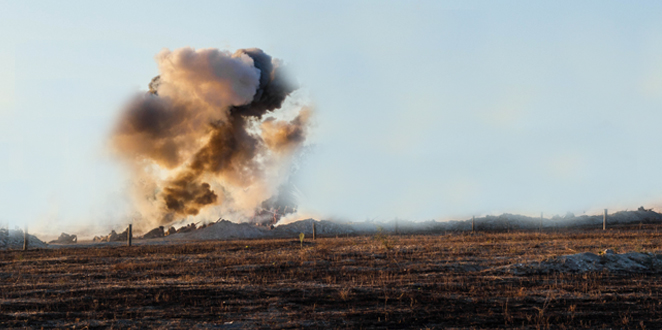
<point>450,280</point>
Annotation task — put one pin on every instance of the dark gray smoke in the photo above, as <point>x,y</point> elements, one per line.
<point>202,123</point>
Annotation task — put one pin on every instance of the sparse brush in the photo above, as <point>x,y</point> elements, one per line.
<point>382,238</point>
<point>451,280</point>
<point>345,293</point>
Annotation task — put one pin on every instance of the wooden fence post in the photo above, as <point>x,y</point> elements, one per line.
<point>25,239</point>
<point>473,224</point>
<point>604,220</point>
<point>7,238</point>
<point>540,228</point>
<point>129,235</point>
<point>314,233</point>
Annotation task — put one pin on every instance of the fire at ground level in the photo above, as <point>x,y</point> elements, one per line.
<point>458,280</point>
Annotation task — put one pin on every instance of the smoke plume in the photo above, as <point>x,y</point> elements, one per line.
<point>201,137</point>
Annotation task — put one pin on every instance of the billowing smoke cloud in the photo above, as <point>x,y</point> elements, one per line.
<point>201,137</point>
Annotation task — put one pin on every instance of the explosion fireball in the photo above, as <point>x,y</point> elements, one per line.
<point>209,137</point>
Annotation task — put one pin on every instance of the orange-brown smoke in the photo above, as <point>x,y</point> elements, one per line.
<point>199,136</point>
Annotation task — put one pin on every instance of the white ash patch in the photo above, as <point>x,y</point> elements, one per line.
<point>608,260</point>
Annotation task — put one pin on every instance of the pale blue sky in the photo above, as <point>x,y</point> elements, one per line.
<point>424,109</point>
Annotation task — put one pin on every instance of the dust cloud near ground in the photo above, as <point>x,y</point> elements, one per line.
<point>213,133</point>
<point>15,238</point>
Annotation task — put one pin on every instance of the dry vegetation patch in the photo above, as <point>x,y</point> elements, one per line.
<point>382,281</point>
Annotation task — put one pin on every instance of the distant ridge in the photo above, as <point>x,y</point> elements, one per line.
<point>225,229</point>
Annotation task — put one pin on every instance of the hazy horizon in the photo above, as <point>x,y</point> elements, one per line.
<point>425,110</point>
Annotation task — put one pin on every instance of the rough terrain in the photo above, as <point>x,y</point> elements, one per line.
<point>453,280</point>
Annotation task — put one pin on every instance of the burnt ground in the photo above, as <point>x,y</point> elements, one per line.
<point>437,281</point>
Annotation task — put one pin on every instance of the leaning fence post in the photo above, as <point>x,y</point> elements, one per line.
<point>540,227</point>
<point>129,235</point>
<point>314,236</point>
<point>25,239</point>
<point>473,223</point>
<point>604,220</point>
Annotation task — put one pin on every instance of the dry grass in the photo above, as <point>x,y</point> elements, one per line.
<point>357,282</point>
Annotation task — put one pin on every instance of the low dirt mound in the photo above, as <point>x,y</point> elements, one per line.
<point>112,237</point>
<point>631,262</point>
<point>65,239</point>
<point>157,232</point>
<point>13,239</point>
<point>322,228</point>
<point>223,229</point>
